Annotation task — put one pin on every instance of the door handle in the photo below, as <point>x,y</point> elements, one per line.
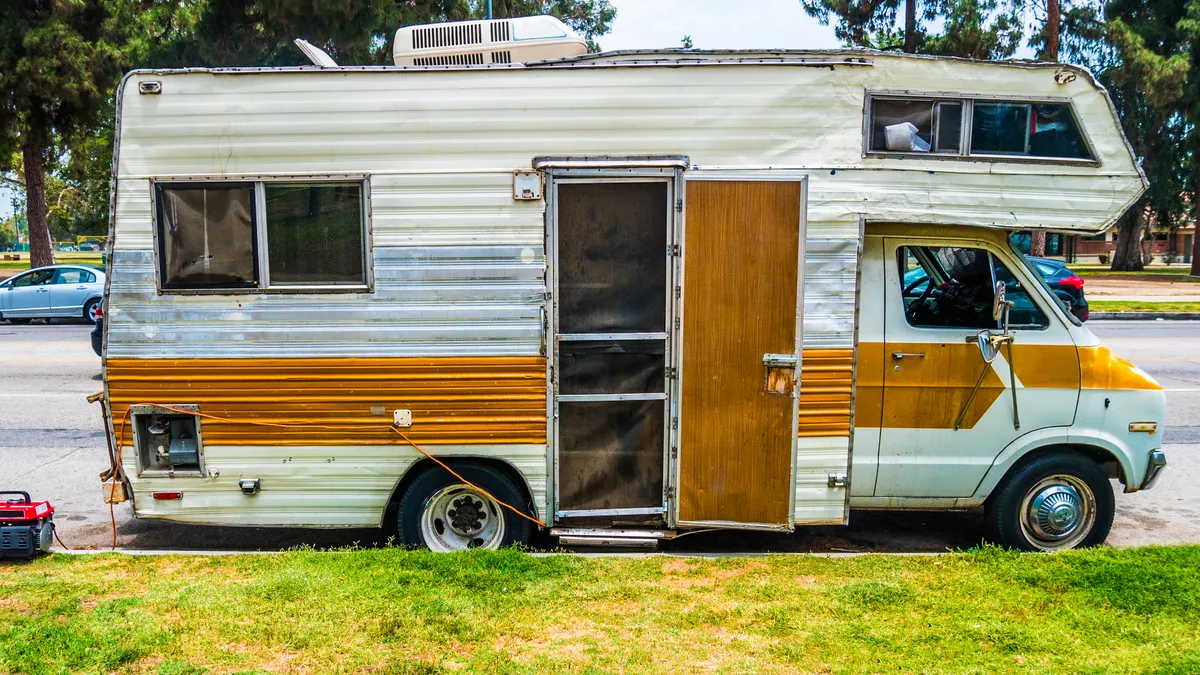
<point>81,288</point>
<point>899,356</point>
<point>43,290</point>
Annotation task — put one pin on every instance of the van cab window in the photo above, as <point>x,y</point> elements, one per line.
<point>953,287</point>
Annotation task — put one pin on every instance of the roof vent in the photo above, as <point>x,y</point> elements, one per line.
<point>469,43</point>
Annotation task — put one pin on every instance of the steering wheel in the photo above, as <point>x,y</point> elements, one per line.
<point>914,284</point>
<point>911,312</point>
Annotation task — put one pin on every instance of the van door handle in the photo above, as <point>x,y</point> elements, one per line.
<point>899,356</point>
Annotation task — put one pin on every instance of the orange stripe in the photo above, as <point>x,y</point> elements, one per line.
<point>454,400</point>
<point>826,378</point>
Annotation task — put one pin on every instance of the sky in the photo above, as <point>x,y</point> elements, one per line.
<point>716,24</point>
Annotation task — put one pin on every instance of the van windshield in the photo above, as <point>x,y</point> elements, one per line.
<point>1037,275</point>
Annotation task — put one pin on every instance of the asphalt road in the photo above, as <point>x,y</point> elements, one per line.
<point>51,445</point>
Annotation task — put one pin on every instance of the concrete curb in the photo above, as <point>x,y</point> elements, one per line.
<point>1145,316</point>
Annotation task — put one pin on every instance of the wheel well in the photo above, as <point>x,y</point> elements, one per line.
<point>1107,461</point>
<point>425,464</point>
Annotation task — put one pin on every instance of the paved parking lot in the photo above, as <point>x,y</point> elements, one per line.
<point>51,445</point>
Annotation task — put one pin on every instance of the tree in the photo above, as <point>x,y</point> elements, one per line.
<point>1152,85</point>
<point>57,65</point>
<point>981,29</point>
<point>8,234</point>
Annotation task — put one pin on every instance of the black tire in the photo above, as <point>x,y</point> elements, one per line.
<point>87,310</point>
<point>1065,475</point>
<point>433,481</point>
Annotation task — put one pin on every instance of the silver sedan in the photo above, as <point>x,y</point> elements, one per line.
<point>54,291</point>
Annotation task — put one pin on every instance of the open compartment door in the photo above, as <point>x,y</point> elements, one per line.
<point>741,279</point>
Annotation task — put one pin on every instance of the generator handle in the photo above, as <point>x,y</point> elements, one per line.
<point>17,492</point>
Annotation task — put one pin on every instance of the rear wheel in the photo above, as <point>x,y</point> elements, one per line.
<point>1053,502</point>
<point>91,309</point>
<point>444,514</point>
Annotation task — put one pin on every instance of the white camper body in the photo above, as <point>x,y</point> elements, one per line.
<point>647,290</point>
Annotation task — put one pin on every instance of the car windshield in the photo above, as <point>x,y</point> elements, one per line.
<point>1036,273</point>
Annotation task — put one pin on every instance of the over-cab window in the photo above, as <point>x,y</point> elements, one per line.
<point>953,287</point>
<point>261,235</point>
<point>974,127</point>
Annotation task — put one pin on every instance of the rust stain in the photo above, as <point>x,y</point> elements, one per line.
<point>454,400</point>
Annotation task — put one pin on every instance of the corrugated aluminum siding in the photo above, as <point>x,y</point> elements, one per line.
<point>459,265</point>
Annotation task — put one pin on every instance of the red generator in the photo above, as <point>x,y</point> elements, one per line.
<point>26,526</point>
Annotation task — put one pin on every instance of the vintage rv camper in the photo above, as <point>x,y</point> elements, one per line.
<point>616,295</point>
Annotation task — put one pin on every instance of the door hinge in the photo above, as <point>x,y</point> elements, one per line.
<point>670,493</point>
<point>674,422</point>
<point>673,249</point>
<point>550,374</point>
<point>670,371</point>
<point>837,480</point>
<point>679,205</point>
<point>678,292</point>
<point>674,452</point>
<point>676,323</point>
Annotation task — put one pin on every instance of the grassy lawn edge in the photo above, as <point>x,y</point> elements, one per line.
<point>395,611</point>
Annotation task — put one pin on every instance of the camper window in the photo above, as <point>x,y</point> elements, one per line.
<point>1033,129</point>
<point>315,233</point>
<point>206,236</point>
<point>935,125</point>
<point>261,235</point>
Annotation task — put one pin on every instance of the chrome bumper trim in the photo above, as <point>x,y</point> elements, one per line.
<point>1158,460</point>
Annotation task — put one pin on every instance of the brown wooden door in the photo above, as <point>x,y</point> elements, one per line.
<point>740,269</point>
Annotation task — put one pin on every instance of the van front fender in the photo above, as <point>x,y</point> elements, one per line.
<point>1096,444</point>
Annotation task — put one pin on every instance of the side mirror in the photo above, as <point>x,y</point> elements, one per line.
<point>988,349</point>
<point>999,300</point>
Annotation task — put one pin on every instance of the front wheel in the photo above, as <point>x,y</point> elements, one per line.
<point>1053,502</point>
<point>444,514</point>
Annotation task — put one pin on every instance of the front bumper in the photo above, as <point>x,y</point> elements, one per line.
<point>1158,461</point>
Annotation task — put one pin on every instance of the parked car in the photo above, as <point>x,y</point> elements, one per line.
<point>1067,285</point>
<point>98,332</point>
<point>54,291</point>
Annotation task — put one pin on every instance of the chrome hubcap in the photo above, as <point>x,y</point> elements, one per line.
<point>92,312</point>
<point>1058,512</point>
<point>459,517</point>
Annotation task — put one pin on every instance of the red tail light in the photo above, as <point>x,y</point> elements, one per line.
<point>1074,281</point>
<point>168,495</point>
<point>99,311</point>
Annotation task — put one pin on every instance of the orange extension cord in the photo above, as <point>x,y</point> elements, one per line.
<point>307,425</point>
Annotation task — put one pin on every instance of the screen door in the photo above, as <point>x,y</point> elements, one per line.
<point>612,264</point>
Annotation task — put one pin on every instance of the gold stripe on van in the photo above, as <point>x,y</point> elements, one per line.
<point>345,401</point>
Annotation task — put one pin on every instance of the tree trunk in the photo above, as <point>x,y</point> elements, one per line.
<point>40,253</point>
<point>1128,256</point>
<point>910,26</point>
<point>1195,237</point>
<point>1037,243</point>
<point>1053,22</point>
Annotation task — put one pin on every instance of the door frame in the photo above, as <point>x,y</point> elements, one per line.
<point>677,358</point>
<point>670,173</point>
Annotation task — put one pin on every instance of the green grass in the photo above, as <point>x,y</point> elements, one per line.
<point>392,611</point>
<point>1177,273</point>
<point>61,257</point>
<point>1138,306</point>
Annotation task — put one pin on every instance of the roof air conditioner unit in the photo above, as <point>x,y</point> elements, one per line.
<point>477,43</point>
